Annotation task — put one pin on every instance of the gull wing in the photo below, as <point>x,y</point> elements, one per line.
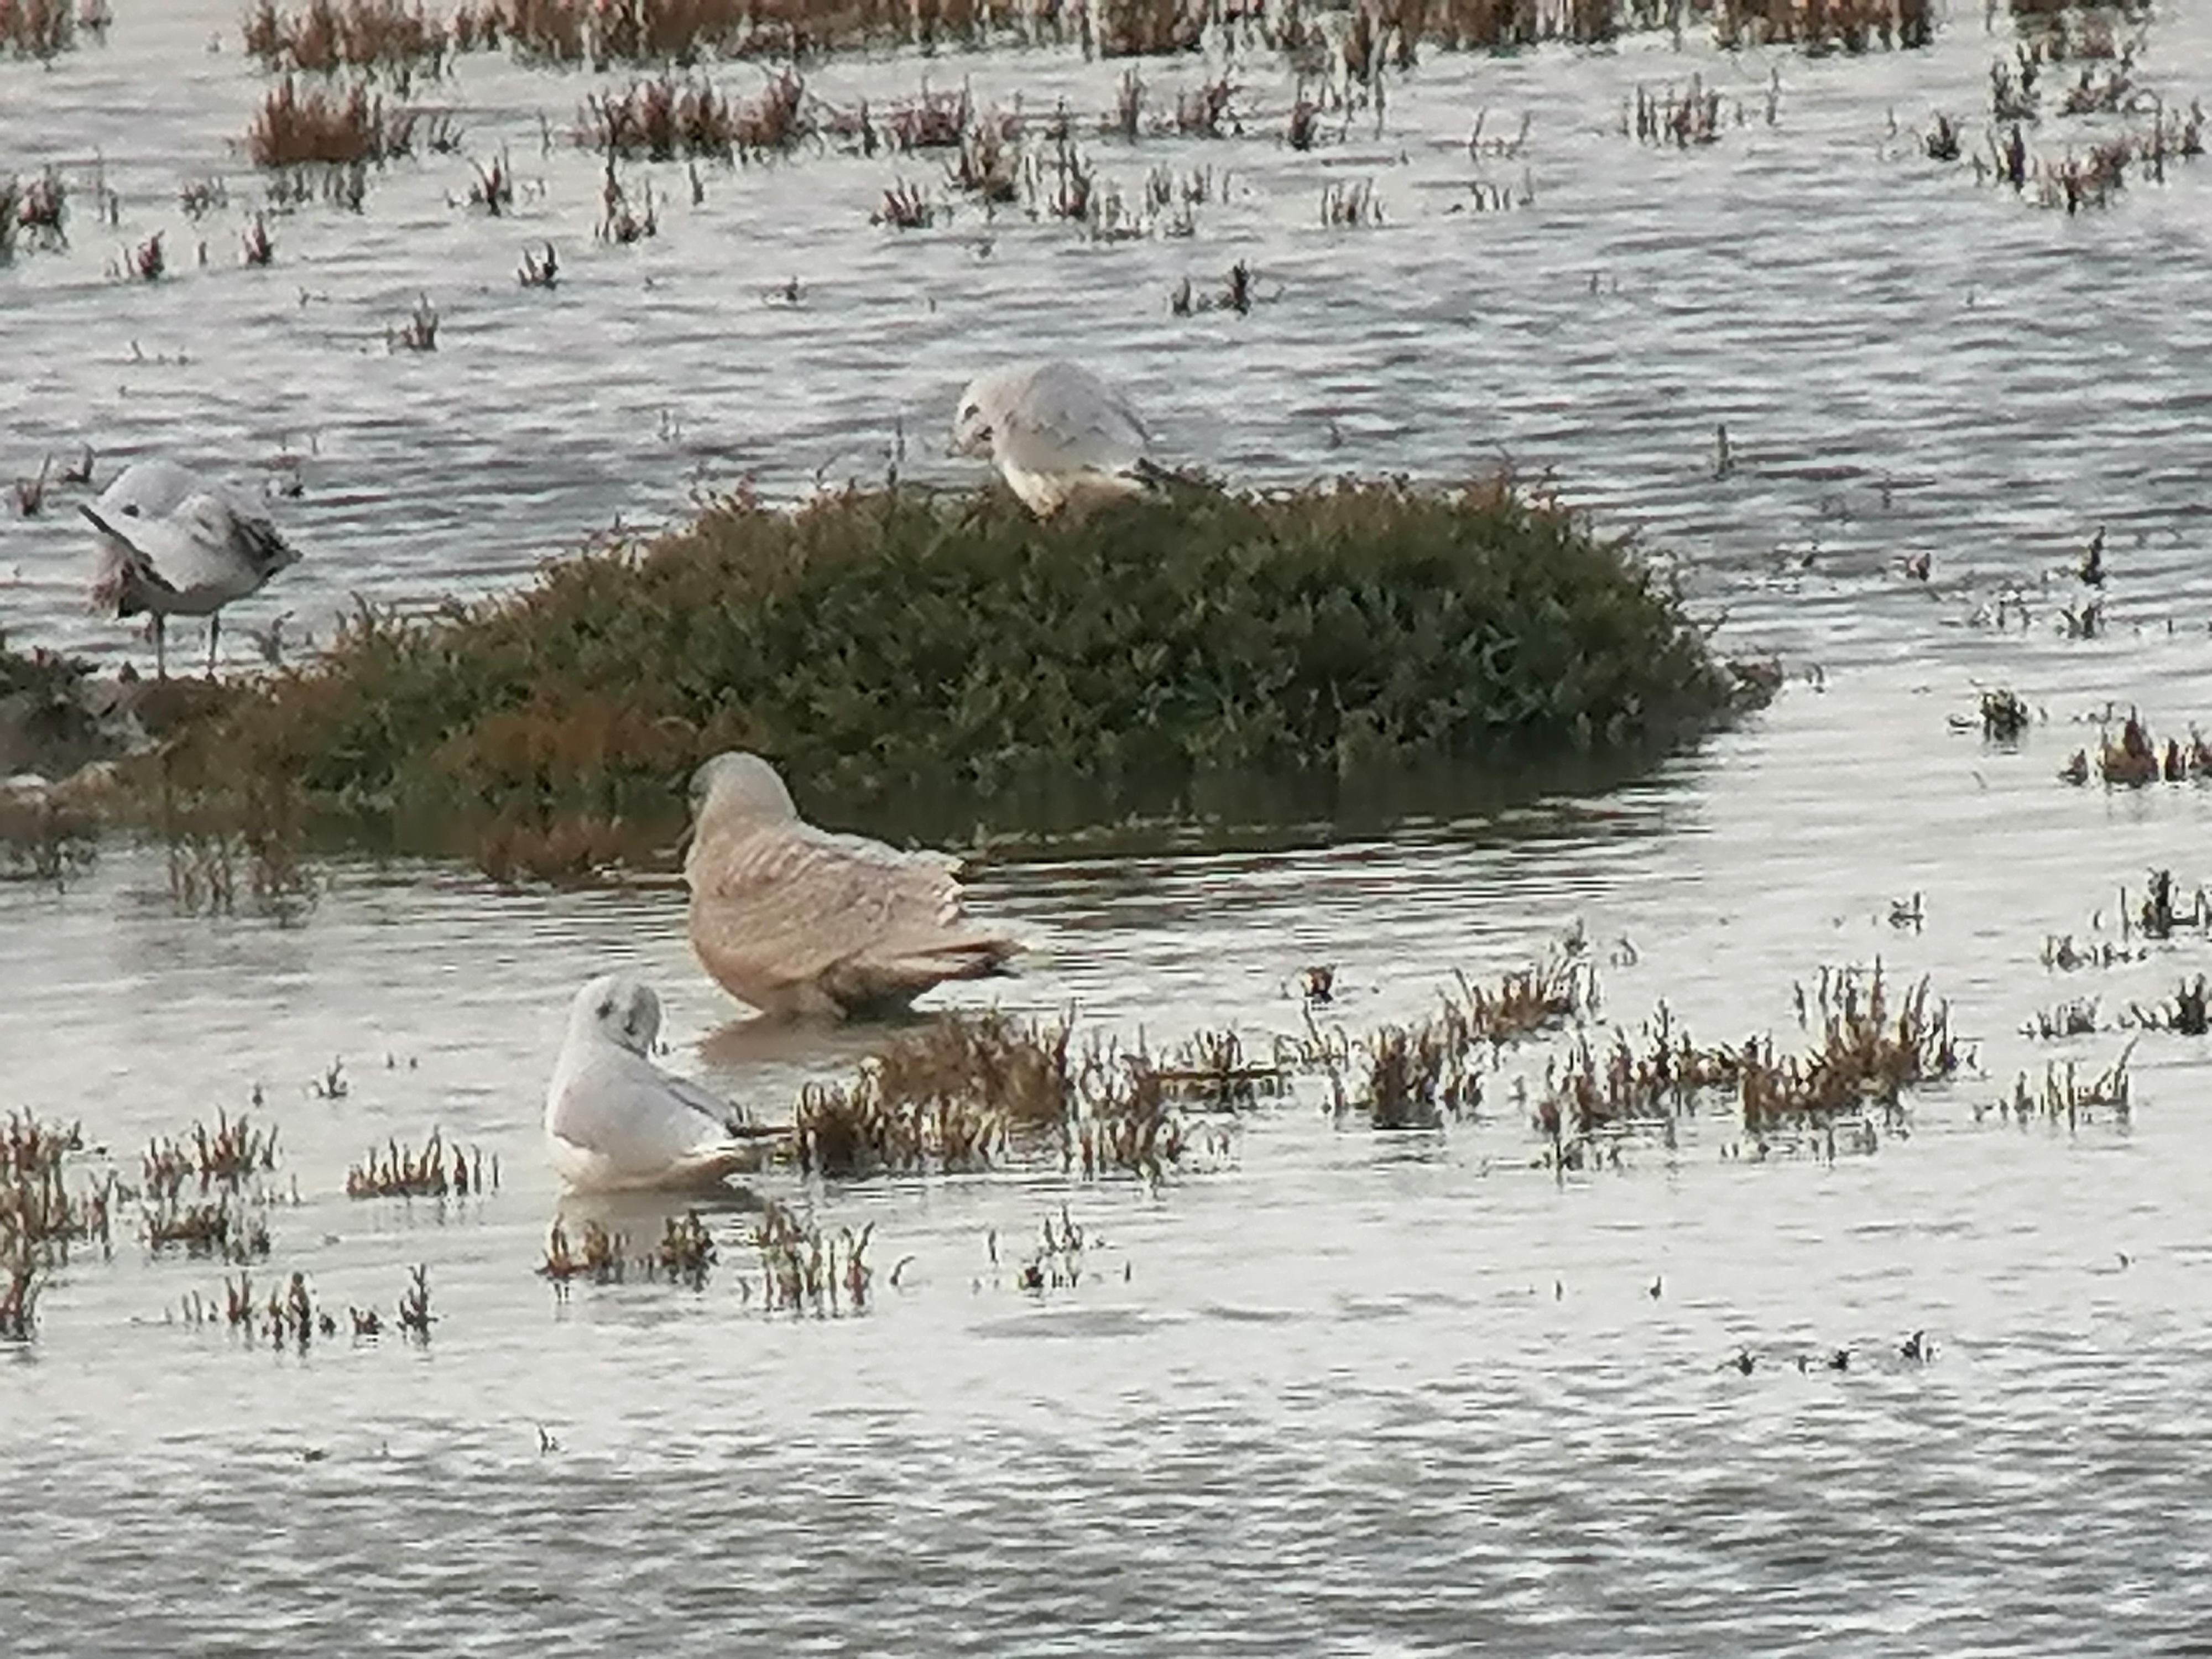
<point>789,906</point>
<point>1065,419</point>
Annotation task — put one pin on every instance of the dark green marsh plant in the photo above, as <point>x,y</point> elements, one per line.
<point>911,647</point>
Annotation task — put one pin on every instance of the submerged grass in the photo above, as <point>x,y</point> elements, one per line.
<point>970,1092</point>
<point>951,648</point>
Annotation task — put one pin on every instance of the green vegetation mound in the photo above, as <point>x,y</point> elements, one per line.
<point>900,646</point>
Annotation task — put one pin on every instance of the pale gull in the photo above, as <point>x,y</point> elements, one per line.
<point>800,921</point>
<point>1057,433</point>
<point>614,1121</point>
<point>172,544</point>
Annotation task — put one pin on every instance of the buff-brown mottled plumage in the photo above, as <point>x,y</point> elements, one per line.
<point>800,921</point>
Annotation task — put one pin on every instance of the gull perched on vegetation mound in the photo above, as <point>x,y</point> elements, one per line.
<point>174,544</point>
<point>614,1121</point>
<point>1057,433</point>
<point>799,920</point>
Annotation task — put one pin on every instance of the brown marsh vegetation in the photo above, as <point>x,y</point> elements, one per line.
<point>437,1169</point>
<point>804,1270</point>
<point>42,1214</point>
<point>972,1091</point>
<point>685,1255</point>
<point>383,38</point>
<point>1414,1076</point>
<point>1868,1048</point>
<point>43,29</point>
<point>2133,758</point>
<point>2066,1094</point>
<point>303,124</point>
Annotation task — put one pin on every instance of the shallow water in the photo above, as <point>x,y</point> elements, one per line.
<point>1327,1390</point>
<point>1906,361</point>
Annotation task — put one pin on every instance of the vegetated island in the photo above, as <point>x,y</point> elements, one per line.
<point>910,656</point>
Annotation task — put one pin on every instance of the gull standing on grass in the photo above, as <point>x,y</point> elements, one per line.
<point>617,1122</point>
<point>799,920</point>
<point>1057,433</point>
<point>172,544</point>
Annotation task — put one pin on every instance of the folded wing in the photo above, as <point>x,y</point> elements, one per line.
<point>787,915</point>
<point>1068,420</point>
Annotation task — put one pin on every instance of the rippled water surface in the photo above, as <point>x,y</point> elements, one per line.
<point>1326,1390</point>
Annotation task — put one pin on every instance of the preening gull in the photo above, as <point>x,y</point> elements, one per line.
<point>174,544</point>
<point>614,1121</point>
<point>799,920</point>
<point>1056,433</point>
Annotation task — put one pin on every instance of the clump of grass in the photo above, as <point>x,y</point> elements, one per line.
<point>1414,1076</point>
<point>667,119</point>
<point>687,1253</point>
<point>42,29</point>
<point>600,1258</point>
<point>2060,951</point>
<point>2159,916</point>
<point>1868,1051</point>
<point>223,1168</point>
<point>2076,1016</point>
<point>2004,716</point>
<point>803,1270</point>
<point>969,1091</point>
<point>313,125</point>
<point>1592,1093</point>
<point>1235,293</point>
<point>222,1227</point>
<point>227,1157</point>
<point>907,643</point>
<point>1057,1262</point>
<point>1411,1078</point>
<point>1350,204</point>
<point>437,1169</point>
<point>1690,116</point>
<point>2065,1094</point>
<point>1523,1002</point>
<point>1211,1072</point>
<point>1145,28</point>
<point>323,37</point>
<point>419,332</point>
<point>2185,1014</point>
<point>415,1315</point>
<point>41,1216</point>
<point>2135,759</point>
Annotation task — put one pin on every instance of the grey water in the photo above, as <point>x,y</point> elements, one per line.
<point>1324,1390</point>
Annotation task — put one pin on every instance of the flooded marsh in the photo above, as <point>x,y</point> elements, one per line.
<point>1748,1200</point>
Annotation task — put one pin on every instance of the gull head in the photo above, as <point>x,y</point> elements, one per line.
<point>740,788</point>
<point>976,415</point>
<point>615,1008</point>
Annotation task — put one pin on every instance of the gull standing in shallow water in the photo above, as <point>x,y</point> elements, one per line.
<point>172,544</point>
<point>614,1121</point>
<point>797,920</point>
<point>1056,433</point>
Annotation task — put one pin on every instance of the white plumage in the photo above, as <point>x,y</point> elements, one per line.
<point>1056,432</point>
<point>614,1121</point>
<point>800,921</point>
<point>174,544</point>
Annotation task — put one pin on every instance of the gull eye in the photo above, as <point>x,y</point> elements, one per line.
<point>607,1009</point>
<point>130,510</point>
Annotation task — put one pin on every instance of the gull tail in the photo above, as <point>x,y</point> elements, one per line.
<point>266,550</point>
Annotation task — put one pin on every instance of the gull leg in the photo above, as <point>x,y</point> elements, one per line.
<point>161,649</point>
<point>215,624</point>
